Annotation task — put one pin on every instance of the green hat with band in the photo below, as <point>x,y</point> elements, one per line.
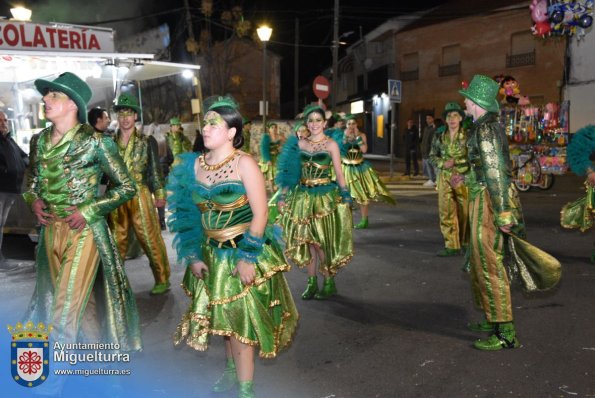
<point>483,91</point>
<point>127,101</point>
<point>73,86</point>
<point>175,121</point>
<point>453,107</point>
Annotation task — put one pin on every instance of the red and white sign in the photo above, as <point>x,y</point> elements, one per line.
<point>37,37</point>
<point>321,87</point>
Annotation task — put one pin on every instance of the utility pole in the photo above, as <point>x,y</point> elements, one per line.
<point>192,48</point>
<point>296,65</point>
<point>335,56</point>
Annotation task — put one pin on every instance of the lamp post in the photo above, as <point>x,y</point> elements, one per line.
<point>264,34</point>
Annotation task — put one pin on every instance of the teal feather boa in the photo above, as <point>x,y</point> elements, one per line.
<point>580,148</point>
<point>265,148</point>
<point>289,168</point>
<point>185,220</point>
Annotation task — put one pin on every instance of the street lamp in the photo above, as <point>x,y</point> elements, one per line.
<point>264,34</point>
<point>21,13</point>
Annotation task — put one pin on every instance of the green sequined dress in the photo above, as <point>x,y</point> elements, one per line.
<point>363,182</point>
<point>314,214</point>
<point>210,221</point>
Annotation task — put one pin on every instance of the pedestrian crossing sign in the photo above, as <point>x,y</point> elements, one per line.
<point>394,90</point>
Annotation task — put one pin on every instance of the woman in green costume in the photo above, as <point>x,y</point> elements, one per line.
<point>361,178</point>
<point>315,211</point>
<point>234,276</point>
<point>581,213</point>
<point>270,146</point>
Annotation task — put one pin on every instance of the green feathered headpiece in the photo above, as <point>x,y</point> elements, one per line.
<point>217,101</point>
<point>313,108</point>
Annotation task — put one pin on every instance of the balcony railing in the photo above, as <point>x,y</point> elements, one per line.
<point>410,75</point>
<point>449,70</point>
<point>520,59</point>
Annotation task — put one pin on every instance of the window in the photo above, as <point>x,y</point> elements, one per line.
<point>451,61</point>
<point>522,49</point>
<point>410,67</point>
<point>379,47</point>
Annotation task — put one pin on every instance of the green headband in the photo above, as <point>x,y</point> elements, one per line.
<point>313,108</point>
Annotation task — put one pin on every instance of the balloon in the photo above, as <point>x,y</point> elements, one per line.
<point>539,10</point>
<point>585,21</point>
<point>541,28</point>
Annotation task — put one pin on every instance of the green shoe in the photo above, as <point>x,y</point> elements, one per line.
<point>311,288</point>
<point>246,390</point>
<point>448,252</point>
<point>328,289</point>
<point>363,223</point>
<point>228,379</point>
<point>504,337</point>
<point>160,288</point>
<point>482,326</point>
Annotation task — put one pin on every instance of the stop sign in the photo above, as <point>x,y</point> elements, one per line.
<point>321,87</point>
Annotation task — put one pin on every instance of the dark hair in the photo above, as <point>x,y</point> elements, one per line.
<point>199,144</point>
<point>331,121</point>
<point>94,114</point>
<point>233,118</point>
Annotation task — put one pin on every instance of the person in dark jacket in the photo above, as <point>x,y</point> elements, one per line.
<point>13,162</point>
<point>411,144</point>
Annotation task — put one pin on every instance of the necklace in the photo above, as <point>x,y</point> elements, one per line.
<point>320,140</point>
<point>208,167</point>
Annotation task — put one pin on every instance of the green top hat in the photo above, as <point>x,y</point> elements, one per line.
<point>483,91</point>
<point>127,101</point>
<point>71,85</point>
<point>453,107</point>
<point>175,121</point>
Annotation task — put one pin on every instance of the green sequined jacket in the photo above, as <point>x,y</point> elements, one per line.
<point>489,158</point>
<point>178,143</point>
<point>141,156</point>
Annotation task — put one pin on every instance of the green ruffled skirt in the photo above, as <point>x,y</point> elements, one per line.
<point>316,216</point>
<point>263,314</point>
<point>364,184</point>
<point>580,213</point>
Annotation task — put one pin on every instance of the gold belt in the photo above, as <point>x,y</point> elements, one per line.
<point>312,182</point>
<point>226,234</point>
<point>352,161</point>
<point>236,204</point>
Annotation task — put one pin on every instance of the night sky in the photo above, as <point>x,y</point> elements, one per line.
<point>315,19</point>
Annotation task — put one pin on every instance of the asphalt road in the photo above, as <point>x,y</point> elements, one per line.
<point>396,328</point>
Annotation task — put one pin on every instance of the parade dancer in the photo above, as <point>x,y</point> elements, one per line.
<point>449,156</point>
<point>176,140</point>
<point>363,182</point>
<point>580,213</point>
<point>76,260</point>
<point>234,276</point>
<point>141,157</point>
<point>315,211</point>
<point>496,223</point>
<point>270,147</point>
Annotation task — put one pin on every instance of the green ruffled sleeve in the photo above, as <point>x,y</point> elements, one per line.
<point>185,219</point>
<point>121,189</point>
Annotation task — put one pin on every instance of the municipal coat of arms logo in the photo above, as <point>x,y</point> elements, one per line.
<point>29,353</point>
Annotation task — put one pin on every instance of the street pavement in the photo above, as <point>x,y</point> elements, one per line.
<point>396,328</point>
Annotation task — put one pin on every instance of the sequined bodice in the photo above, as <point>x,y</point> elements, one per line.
<point>315,165</point>
<point>223,204</point>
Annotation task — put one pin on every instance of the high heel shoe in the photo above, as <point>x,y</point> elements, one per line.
<point>311,288</point>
